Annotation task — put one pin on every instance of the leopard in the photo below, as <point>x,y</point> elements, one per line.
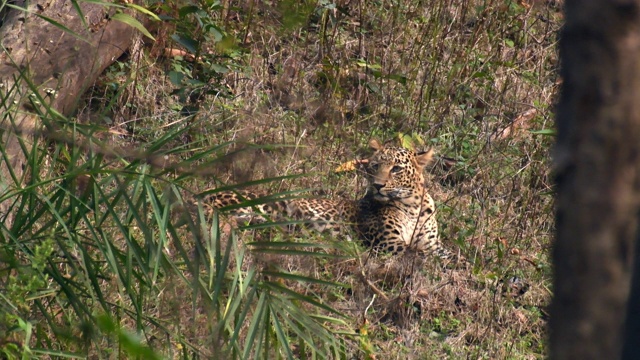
<point>396,214</point>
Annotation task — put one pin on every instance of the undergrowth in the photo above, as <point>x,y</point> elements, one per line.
<point>110,255</point>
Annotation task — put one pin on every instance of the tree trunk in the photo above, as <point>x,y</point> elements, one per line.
<point>631,348</point>
<point>598,178</point>
<point>50,58</point>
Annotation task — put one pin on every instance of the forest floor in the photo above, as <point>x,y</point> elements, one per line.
<point>282,93</point>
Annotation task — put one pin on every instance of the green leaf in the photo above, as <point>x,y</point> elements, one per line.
<point>186,10</point>
<point>406,141</point>
<point>398,78</point>
<point>188,43</point>
<point>364,64</point>
<point>218,33</point>
<point>143,10</point>
<point>131,21</point>
<point>220,69</point>
<point>545,132</point>
<point>76,6</point>
<point>176,77</point>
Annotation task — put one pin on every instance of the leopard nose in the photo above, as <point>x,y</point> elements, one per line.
<point>378,186</point>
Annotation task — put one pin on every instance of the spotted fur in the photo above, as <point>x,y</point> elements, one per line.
<point>395,215</point>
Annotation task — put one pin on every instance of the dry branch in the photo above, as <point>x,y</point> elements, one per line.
<point>521,122</point>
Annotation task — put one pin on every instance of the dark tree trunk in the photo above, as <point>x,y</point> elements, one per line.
<point>631,349</point>
<point>50,58</point>
<point>598,178</point>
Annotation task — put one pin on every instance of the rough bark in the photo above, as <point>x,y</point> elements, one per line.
<point>631,348</point>
<point>50,58</point>
<point>598,182</point>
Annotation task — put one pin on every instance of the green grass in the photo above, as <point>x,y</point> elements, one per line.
<point>101,260</point>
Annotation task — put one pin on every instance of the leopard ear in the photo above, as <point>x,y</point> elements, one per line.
<point>425,158</point>
<point>375,144</point>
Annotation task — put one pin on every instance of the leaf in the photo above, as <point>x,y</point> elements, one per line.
<point>141,9</point>
<point>545,132</point>
<point>417,139</point>
<point>363,63</point>
<point>186,10</point>
<point>373,87</point>
<point>131,21</point>
<point>190,44</point>
<point>402,79</point>
<point>350,165</point>
<point>220,69</point>
<point>76,6</point>
<point>406,141</point>
<point>218,34</point>
<point>176,77</point>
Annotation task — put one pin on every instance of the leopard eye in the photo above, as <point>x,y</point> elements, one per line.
<point>396,169</point>
<point>374,166</point>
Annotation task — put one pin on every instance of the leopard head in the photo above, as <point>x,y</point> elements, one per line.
<point>396,174</point>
